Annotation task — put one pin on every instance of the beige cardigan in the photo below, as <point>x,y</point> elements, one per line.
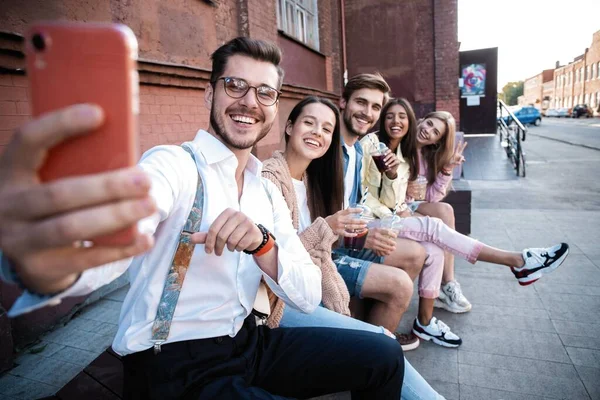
<point>318,239</point>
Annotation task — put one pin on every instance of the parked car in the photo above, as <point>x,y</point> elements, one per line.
<point>582,110</point>
<point>526,115</point>
<point>551,112</point>
<point>562,112</point>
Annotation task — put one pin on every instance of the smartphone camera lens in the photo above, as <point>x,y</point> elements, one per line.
<point>38,42</point>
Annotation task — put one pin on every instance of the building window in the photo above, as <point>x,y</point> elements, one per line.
<point>598,70</point>
<point>585,99</point>
<point>576,76</point>
<point>299,19</point>
<point>588,74</point>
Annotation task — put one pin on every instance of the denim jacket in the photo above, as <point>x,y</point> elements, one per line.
<point>356,194</point>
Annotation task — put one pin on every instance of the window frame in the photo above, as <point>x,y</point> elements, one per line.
<point>306,32</point>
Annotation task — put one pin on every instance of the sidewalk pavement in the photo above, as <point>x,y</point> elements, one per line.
<point>536,342</point>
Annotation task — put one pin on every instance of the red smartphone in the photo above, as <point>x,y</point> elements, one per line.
<point>70,63</point>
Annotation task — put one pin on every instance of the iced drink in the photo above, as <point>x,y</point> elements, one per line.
<point>356,243</point>
<point>378,155</point>
<point>378,158</point>
<point>417,189</point>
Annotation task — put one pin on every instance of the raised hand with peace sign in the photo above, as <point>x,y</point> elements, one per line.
<point>457,158</point>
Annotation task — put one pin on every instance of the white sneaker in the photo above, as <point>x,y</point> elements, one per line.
<point>438,332</point>
<point>539,262</point>
<point>452,299</point>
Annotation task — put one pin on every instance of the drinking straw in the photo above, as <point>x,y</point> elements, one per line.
<point>396,207</point>
<point>364,196</point>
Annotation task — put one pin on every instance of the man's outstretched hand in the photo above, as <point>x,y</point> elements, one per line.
<point>41,222</point>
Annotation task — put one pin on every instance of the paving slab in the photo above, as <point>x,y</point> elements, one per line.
<point>25,389</point>
<point>590,377</point>
<point>584,357</point>
<point>468,392</point>
<point>524,382</point>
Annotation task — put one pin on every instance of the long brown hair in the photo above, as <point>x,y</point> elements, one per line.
<point>324,175</point>
<point>408,144</point>
<point>439,154</point>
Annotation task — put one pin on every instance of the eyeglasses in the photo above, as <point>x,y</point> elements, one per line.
<point>237,88</point>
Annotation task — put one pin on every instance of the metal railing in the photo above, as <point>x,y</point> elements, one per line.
<point>511,133</point>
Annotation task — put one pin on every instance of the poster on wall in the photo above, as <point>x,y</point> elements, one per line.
<point>473,76</point>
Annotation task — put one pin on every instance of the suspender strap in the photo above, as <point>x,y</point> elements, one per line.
<point>179,266</point>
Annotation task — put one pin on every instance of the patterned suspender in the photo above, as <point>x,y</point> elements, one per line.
<point>179,266</point>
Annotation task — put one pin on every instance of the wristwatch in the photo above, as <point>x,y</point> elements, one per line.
<point>267,243</point>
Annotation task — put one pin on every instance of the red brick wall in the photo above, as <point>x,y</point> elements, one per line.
<point>172,36</point>
<point>170,115</point>
<point>446,57</point>
<point>412,44</point>
<point>14,106</point>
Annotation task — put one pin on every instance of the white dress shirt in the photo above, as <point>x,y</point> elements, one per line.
<point>218,292</point>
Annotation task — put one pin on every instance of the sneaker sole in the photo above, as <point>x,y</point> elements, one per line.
<point>537,275</point>
<point>412,346</point>
<point>440,304</point>
<point>434,340</point>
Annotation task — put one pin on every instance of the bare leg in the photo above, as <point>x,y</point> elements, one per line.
<point>392,289</point>
<point>408,256</point>
<point>502,257</point>
<point>445,212</point>
<point>425,310</point>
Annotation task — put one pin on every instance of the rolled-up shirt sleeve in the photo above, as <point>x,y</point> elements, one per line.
<point>298,278</point>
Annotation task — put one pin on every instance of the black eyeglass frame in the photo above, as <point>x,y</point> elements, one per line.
<point>225,78</point>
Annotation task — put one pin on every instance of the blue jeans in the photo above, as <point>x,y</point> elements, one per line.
<point>414,387</point>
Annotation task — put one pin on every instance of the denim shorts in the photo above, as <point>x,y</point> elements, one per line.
<point>353,267</point>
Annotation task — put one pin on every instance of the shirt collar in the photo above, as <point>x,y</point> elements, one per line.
<point>214,151</point>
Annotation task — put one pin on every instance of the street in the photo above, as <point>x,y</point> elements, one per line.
<point>563,165</point>
<point>582,131</point>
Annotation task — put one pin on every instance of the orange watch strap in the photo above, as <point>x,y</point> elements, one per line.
<point>267,247</point>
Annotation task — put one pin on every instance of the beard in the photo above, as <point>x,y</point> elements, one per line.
<point>218,124</point>
<point>348,122</point>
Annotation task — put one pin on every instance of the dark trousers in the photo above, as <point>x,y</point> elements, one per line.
<point>263,363</point>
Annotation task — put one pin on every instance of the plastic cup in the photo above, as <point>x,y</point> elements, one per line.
<point>417,189</point>
<point>378,155</point>
<point>357,243</point>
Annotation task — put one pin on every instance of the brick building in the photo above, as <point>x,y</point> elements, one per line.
<point>538,89</point>
<point>409,42</point>
<point>579,81</point>
<point>175,42</point>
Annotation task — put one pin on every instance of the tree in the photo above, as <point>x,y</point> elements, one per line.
<point>511,91</point>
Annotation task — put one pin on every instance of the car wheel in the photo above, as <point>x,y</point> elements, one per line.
<point>537,122</point>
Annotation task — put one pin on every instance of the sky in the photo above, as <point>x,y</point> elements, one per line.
<point>531,35</point>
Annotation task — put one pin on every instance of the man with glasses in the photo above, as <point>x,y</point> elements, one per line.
<point>185,329</point>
